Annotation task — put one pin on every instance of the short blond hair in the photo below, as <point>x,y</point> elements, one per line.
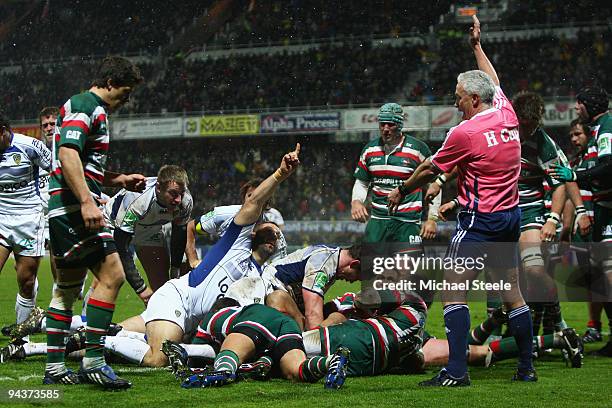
<point>169,173</point>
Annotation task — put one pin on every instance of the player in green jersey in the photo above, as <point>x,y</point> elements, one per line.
<point>383,165</point>
<point>592,109</point>
<point>80,239</point>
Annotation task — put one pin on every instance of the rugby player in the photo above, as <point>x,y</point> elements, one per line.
<point>79,236</point>
<point>22,221</point>
<point>485,147</point>
<point>592,109</point>
<point>137,218</point>
<point>247,333</point>
<point>177,307</point>
<point>384,164</point>
<point>306,274</point>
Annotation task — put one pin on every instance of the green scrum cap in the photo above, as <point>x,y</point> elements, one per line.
<point>391,112</point>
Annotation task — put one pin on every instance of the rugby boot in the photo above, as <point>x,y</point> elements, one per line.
<point>572,347</point>
<point>30,325</point>
<point>13,351</point>
<point>336,373</point>
<point>592,335</point>
<point>104,376</point>
<point>444,379</point>
<point>210,379</point>
<point>69,377</point>
<point>177,356</point>
<point>525,375</point>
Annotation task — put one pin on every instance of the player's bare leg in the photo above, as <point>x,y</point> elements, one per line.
<point>284,303</point>
<point>156,264</point>
<point>26,268</point>
<point>157,331</point>
<point>4,254</point>
<point>134,324</point>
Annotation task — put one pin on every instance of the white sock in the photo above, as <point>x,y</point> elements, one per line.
<point>199,350</point>
<point>23,307</point>
<point>76,322</point>
<point>131,349</point>
<point>132,335</point>
<point>33,349</point>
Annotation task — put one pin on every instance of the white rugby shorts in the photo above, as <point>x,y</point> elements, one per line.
<point>23,234</point>
<point>171,303</point>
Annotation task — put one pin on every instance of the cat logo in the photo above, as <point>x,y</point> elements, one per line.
<point>17,159</point>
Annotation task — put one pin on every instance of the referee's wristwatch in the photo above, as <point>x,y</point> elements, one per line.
<point>403,190</point>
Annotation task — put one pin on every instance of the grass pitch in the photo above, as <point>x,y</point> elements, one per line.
<point>557,385</point>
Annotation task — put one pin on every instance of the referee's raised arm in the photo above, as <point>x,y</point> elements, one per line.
<point>481,58</point>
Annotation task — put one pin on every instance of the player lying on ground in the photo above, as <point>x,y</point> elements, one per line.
<point>357,335</point>
<point>256,333</point>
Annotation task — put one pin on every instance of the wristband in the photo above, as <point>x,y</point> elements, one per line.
<point>554,217</point>
<point>580,210</point>
<point>454,200</point>
<point>441,179</point>
<point>278,176</point>
<point>433,217</point>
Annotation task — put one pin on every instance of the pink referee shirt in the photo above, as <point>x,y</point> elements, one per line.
<point>487,152</point>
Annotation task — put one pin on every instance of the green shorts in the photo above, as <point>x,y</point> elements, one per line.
<point>602,230</point>
<point>532,217</point>
<point>357,337</point>
<point>271,331</point>
<point>73,246</point>
<point>392,230</point>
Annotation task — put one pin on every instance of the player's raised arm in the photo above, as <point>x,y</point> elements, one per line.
<point>255,202</point>
<point>481,58</point>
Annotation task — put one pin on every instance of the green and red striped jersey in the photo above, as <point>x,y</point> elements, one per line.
<point>538,154</point>
<point>600,146</point>
<point>384,172</point>
<point>83,125</point>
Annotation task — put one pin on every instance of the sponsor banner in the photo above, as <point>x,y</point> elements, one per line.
<point>32,130</point>
<point>147,128</point>
<point>415,117</point>
<point>444,116</point>
<point>300,122</point>
<point>559,113</point>
<point>360,119</point>
<point>221,125</point>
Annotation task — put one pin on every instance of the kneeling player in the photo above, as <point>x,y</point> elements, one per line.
<point>138,217</point>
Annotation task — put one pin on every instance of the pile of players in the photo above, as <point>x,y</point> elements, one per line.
<point>249,308</point>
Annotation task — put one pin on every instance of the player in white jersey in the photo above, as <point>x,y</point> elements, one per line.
<point>22,223</point>
<point>138,218</point>
<point>306,275</point>
<point>177,307</point>
<point>47,120</point>
<point>214,223</point>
